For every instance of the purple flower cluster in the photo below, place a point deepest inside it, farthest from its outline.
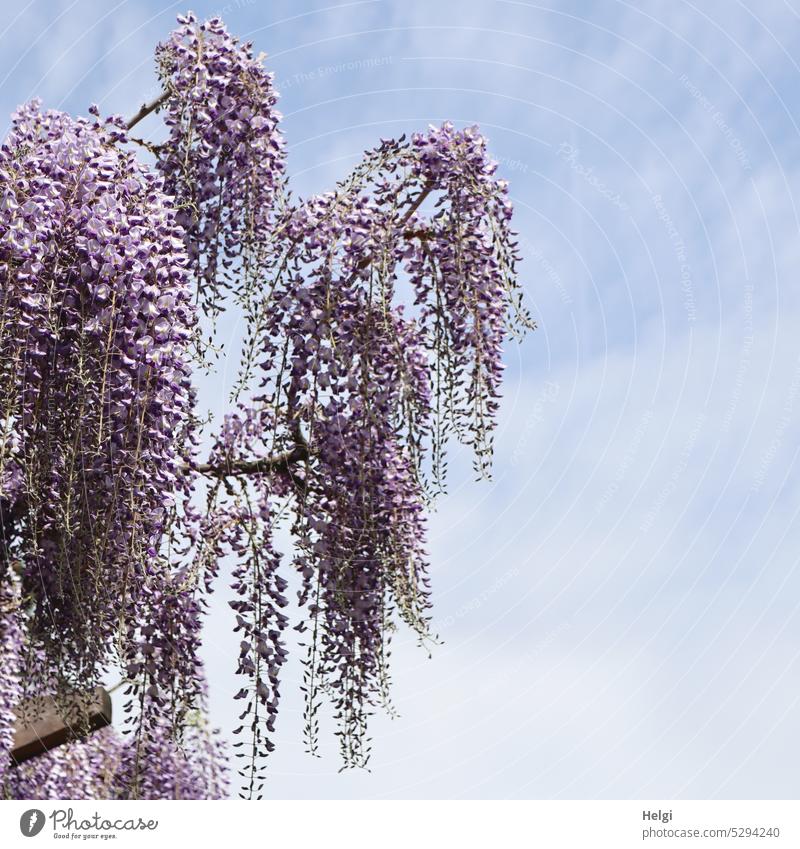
(192, 768)
(10, 667)
(242, 526)
(103, 767)
(260, 623)
(95, 314)
(371, 390)
(79, 770)
(462, 263)
(162, 659)
(224, 157)
(344, 432)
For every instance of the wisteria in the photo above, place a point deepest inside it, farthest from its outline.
(103, 767)
(162, 663)
(260, 623)
(223, 160)
(96, 398)
(373, 392)
(10, 668)
(94, 381)
(79, 770)
(376, 317)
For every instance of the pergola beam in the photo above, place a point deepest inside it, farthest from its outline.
(54, 725)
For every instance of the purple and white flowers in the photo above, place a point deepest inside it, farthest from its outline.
(95, 316)
(224, 158)
(377, 314)
(103, 767)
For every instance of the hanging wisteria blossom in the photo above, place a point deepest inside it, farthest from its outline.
(376, 317)
(223, 160)
(94, 380)
(103, 767)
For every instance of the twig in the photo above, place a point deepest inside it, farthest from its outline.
(146, 108)
(426, 190)
(262, 465)
(155, 149)
(365, 262)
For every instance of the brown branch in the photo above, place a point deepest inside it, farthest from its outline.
(426, 190)
(155, 149)
(260, 466)
(422, 235)
(146, 108)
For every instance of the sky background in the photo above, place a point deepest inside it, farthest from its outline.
(619, 607)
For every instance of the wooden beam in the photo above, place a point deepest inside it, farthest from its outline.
(55, 725)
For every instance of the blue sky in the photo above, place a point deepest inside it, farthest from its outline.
(619, 607)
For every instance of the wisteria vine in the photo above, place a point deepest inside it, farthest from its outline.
(376, 318)
(103, 766)
(223, 160)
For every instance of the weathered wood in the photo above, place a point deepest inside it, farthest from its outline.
(55, 726)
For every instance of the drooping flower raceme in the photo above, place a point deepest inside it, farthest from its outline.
(224, 159)
(365, 390)
(463, 269)
(95, 393)
(102, 767)
(260, 623)
(376, 314)
(10, 668)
